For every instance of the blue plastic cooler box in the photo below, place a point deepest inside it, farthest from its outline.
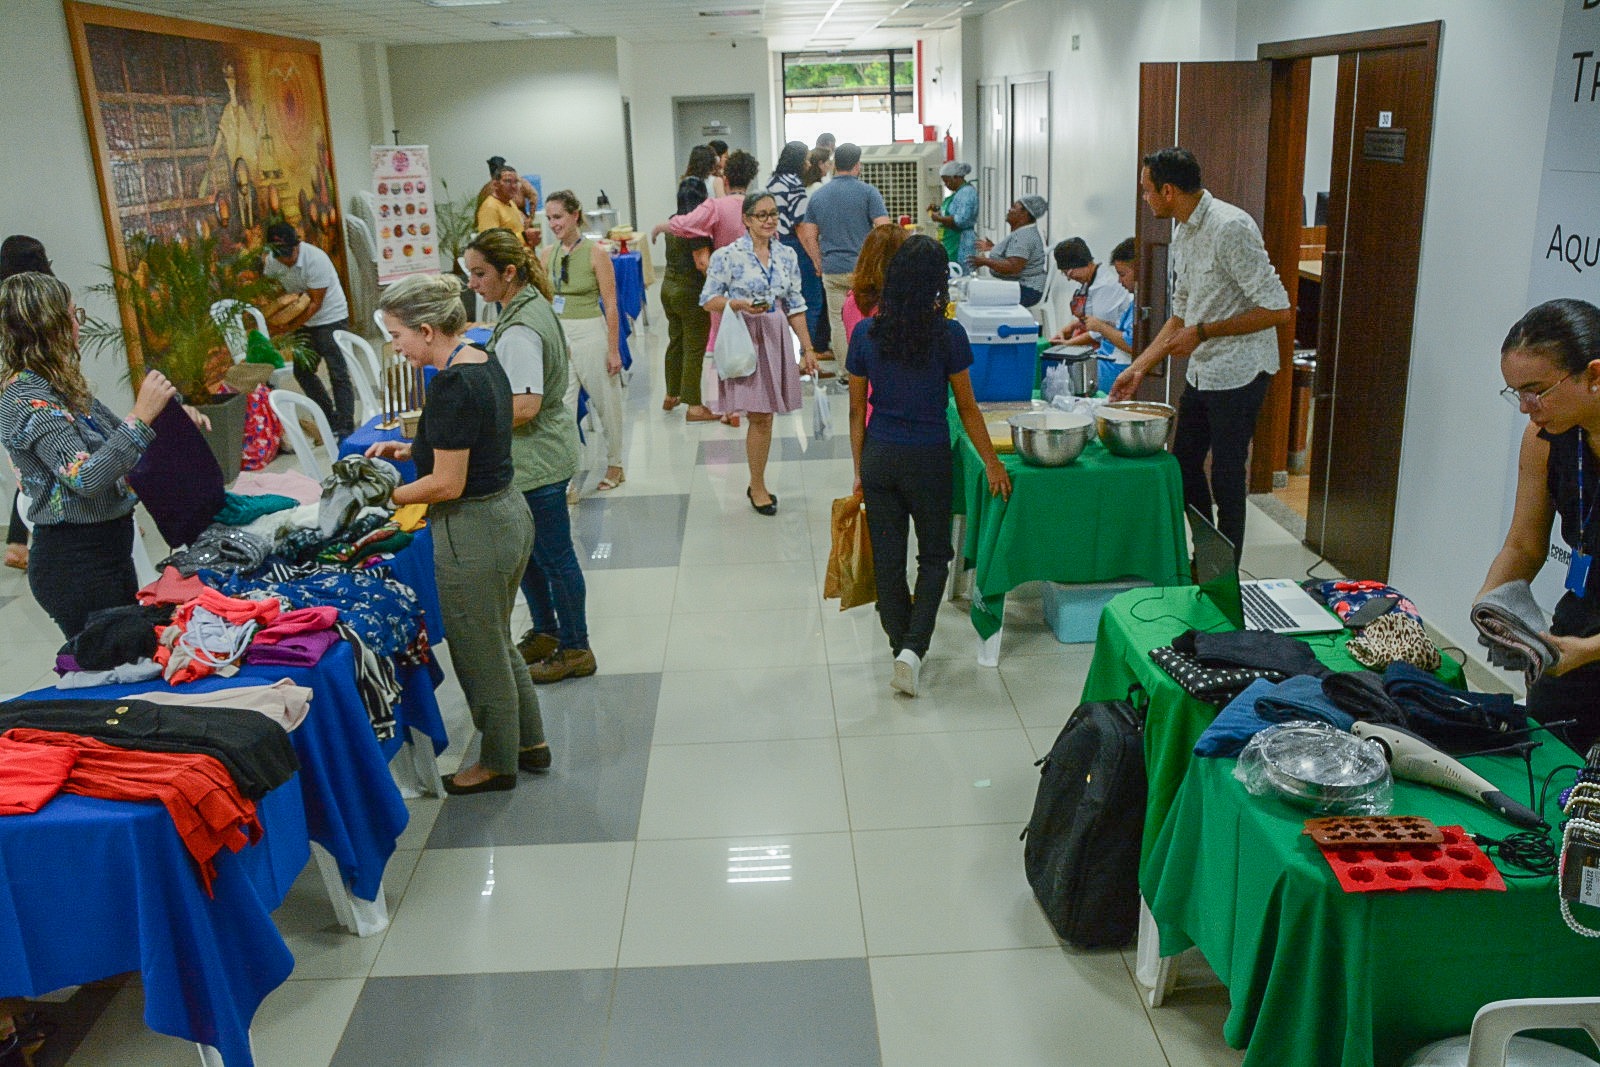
(1005, 352)
(1073, 611)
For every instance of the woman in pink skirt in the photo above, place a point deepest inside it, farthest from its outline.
(753, 277)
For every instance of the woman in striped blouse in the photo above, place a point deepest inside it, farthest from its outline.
(71, 453)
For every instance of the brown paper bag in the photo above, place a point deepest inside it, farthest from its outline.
(850, 577)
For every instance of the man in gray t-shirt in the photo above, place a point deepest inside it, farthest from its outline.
(839, 216)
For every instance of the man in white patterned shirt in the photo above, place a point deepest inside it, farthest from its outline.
(1227, 302)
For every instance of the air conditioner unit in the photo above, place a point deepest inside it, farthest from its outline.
(908, 177)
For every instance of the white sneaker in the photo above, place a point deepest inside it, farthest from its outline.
(907, 669)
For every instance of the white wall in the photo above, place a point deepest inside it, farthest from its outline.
(351, 124)
(942, 83)
(552, 108)
(1493, 100)
(1094, 93)
(656, 72)
(47, 170)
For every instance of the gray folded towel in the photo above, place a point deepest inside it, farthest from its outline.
(1510, 624)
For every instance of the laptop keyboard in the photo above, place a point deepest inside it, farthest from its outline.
(1262, 610)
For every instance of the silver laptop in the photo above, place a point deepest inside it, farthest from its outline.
(1278, 605)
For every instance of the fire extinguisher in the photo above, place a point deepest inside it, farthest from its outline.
(949, 146)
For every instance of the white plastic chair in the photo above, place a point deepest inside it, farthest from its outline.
(290, 408)
(229, 315)
(1494, 1041)
(365, 373)
(383, 328)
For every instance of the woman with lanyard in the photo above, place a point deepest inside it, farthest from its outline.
(586, 302)
(1551, 364)
(789, 193)
(750, 278)
(483, 534)
(544, 449)
(71, 453)
(957, 215)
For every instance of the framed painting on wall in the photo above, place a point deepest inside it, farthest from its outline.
(202, 133)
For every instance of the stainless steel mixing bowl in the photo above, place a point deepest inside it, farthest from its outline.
(1136, 437)
(1049, 438)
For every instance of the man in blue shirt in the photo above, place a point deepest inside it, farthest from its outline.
(838, 218)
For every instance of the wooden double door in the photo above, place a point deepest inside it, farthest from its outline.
(1246, 121)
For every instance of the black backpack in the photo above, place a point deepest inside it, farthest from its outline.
(1083, 841)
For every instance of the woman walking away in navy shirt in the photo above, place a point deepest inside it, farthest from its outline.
(911, 358)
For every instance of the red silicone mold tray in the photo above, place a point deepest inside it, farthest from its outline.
(1454, 863)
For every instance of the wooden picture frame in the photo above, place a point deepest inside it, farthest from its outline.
(199, 130)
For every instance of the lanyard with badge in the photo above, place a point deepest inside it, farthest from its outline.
(766, 303)
(1578, 569)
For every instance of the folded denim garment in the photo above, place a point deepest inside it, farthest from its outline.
(1236, 723)
(1301, 697)
(1510, 625)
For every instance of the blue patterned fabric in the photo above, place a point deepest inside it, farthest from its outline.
(383, 613)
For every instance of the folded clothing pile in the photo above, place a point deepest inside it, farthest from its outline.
(355, 482)
(1216, 668)
(1262, 704)
(209, 633)
(1511, 625)
(297, 638)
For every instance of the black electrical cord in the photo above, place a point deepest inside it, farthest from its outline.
(1530, 851)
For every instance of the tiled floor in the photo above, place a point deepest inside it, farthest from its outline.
(749, 850)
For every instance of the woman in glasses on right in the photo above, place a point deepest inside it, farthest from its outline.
(1551, 364)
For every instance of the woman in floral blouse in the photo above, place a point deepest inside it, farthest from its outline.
(752, 277)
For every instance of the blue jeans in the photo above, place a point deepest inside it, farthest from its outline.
(553, 582)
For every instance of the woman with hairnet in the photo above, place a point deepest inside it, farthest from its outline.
(957, 216)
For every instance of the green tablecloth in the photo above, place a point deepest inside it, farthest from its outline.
(1318, 977)
(1099, 518)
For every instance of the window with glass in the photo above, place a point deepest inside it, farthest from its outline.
(861, 97)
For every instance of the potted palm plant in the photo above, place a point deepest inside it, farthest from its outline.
(166, 297)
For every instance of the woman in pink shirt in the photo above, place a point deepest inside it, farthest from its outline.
(722, 217)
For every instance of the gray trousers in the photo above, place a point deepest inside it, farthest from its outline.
(480, 548)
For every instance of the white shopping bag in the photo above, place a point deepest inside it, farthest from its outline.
(821, 413)
(734, 352)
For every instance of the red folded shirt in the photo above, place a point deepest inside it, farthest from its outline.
(171, 588)
(31, 775)
(299, 621)
(206, 808)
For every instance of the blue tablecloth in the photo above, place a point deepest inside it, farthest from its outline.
(413, 566)
(91, 888)
(630, 299)
(352, 806)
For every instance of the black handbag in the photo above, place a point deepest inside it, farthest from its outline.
(1083, 841)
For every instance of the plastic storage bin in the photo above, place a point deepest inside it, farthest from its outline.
(1073, 611)
(1004, 350)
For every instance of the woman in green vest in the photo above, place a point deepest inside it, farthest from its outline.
(529, 344)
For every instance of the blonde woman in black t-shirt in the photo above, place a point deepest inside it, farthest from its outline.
(482, 531)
